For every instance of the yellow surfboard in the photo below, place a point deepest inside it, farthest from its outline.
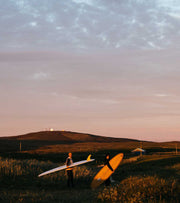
(105, 172)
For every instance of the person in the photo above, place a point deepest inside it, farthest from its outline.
(106, 162)
(69, 170)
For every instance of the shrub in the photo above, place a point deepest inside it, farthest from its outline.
(141, 189)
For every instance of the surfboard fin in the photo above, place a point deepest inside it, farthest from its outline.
(89, 158)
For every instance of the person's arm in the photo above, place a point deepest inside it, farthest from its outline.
(109, 166)
(67, 162)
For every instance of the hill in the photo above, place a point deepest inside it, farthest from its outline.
(66, 136)
(47, 142)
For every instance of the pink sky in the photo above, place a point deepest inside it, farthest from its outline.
(122, 95)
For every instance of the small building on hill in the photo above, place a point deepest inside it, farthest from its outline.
(138, 151)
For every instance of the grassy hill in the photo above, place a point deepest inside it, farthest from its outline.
(67, 136)
(58, 142)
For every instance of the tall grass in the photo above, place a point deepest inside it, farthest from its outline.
(150, 179)
(19, 173)
(19, 182)
(142, 189)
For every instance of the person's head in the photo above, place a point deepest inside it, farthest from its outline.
(107, 156)
(70, 154)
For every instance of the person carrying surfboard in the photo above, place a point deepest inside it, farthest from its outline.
(106, 162)
(69, 170)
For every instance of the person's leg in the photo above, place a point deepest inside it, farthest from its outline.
(107, 182)
(71, 178)
(68, 178)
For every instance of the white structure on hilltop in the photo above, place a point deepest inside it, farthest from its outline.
(138, 151)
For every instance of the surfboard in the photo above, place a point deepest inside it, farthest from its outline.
(64, 166)
(105, 172)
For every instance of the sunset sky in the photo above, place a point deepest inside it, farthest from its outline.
(106, 67)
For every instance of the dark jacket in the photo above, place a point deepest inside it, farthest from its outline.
(108, 164)
(69, 161)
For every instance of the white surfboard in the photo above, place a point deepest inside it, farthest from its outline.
(64, 166)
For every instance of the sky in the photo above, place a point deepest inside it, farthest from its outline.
(103, 67)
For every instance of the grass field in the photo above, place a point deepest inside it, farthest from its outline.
(151, 178)
(154, 177)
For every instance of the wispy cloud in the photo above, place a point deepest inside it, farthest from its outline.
(161, 95)
(89, 24)
(40, 76)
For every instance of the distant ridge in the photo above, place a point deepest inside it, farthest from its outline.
(66, 136)
(47, 142)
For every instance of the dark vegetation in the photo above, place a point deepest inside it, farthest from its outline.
(57, 142)
(154, 177)
(66, 136)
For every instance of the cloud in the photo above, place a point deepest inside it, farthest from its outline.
(151, 44)
(51, 18)
(40, 76)
(54, 94)
(89, 25)
(174, 15)
(33, 24)
(89, 2)
(161, 95)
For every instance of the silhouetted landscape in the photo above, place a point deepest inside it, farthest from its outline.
(64, 141)
(140, 177)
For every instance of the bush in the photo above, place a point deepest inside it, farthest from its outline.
(142, 189)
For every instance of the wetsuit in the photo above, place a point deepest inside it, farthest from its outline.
(69, 170)
(107, 182)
